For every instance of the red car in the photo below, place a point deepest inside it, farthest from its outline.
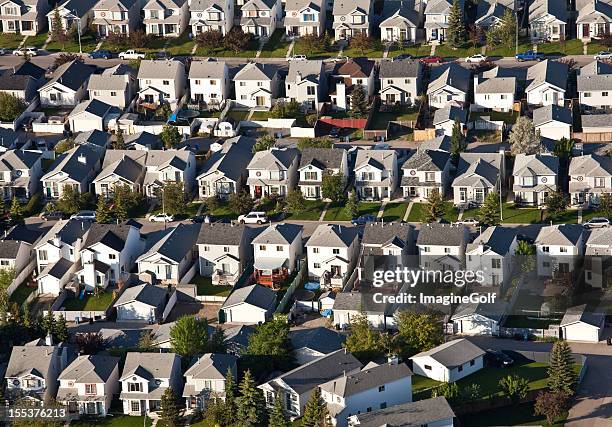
(432, 60)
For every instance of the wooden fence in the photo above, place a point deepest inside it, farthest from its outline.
(592, 137)
(345, 123)
(424, 134)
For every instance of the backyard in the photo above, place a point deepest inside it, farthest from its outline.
(522, 414)
(22, 292)
(515, 215)
(90, 302)
(381, 119)
(205, 287)
(508, 118)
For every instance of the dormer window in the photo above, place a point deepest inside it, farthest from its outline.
(545, 249)
(600, 181)
(135, 387)
(358, 19)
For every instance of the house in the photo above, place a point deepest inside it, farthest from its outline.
(209, 83)
(479, 318)
(273, 172)
(376, 175)
(55, 276)
(72, 13)
(374, 387)
(94, 137)
(351, 18)
(535, 176)
(594, 20)
(144, 303)
(161, 81)
(92, 114)
(449, 362)
(478, 174)
(437, 14)
(594, 86)
(546, 83)
(348, 75)
(20, 172)
(205, 379)
(490, 12)
(445, 118)
(108, 254)
(116, 16)
(448, 85)
(211, 15)
(88, 384)
(120, 168)
(400, 21)
(400, 82)
(168, 18)
(580, 324)
(168, 166)
(425, 171)
(494, 93)
(306, 83)
(8, 139)
(21, 83)
(598, 257)
(492, 252)
(115, 86)
(295, 387)
(257, 85)
(142, 141)
(596, 123)
(24, 233)
(33, 370)
(260, 17)
(172, 256)
(547, 20)
(434, 411)
(145, 378)
(442, 246)
(313, 343)
(223, 251)
(315, 164)
(277, 250)
(252, 304)
(346, 306)
(305, 17)
(553, 122)
(332, 253)
(25, 17)
(559, 249)
(67, 86)
(14, 255)
(386, 244)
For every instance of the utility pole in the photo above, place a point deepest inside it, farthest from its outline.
(516, 36)
(79, 31)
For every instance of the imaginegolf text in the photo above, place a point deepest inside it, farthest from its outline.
(405, 298)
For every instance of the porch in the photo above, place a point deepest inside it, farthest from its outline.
(271, 272)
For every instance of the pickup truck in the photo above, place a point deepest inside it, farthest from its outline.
(530, 55)
(131, 54)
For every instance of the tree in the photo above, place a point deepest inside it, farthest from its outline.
(361, 42)
(250, 405)
(57, 27)
(434, 209)
(489, 211)
(561, 374)
(263, 143)
(457, 139)
(563, 148)
(556, 204)
(16, 212)
(277, 415)
(90, 342)
(362, 341)
(241, 203)
(125, 200)
(269, 347)
(216, 412)
(332, 186)
(295, 201)
(352, 205)
(449, 390)
(139, 38)
(189, 336)
(359, 102)
(470, 393)
(551, 404)
(103, 211)
(47, 323)
(523, 137)
(64, 58)
(169, 409)
(230, 397)
(146, 342)
(456, 35)
(120, 141)
(65, 145)
(323, 142)
(60, 329)
(311, 43)
(418, 332)
(605, 205)
(236, 39)
(315, 411)
(526, 256)
(11, 107)
(174, 197)
(170, 136)
(210, 40)
(285, 110)
(217, 341)
(504, 32)
(514, 387)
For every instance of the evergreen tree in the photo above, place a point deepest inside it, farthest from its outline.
(263, 143)
(48, 323)
(417, 332)
(359, 102)
(230, 397)
(16, 212)
(525, 253)
(315, 411)
(57, 29)
(60, 329)
(146, 342)
(434, 209)
(170, 411)
(563, 148)
(241, 203)
(103, 211)
(120, 142)
(457, 139)
(277, 415)
(456, 28)
(489, 211)
(250, 405)
(561, 374)
(170, 136)
(352, 205)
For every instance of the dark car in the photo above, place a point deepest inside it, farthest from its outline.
(334, 132)
(498, 358)
(100, 54)
(401, 57)
(363, 220)
(434, 59)
(162, 54)
(52, 216)
(197, 219)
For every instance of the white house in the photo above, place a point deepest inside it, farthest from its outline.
(579, 324)
(88, 384)
(594, 19)
(553, 122)
(305, 17)
(249, 305)
(492, 253)
(445, 118)
(437, 14)
(449, 362)
(121, 168)
(211, 15)
(144, 303)
(260, 17)
(115, 86)
(478, 319)
(424, 172)
(315, 164)
(478, 174)
(391, 240)
(428, 412)
(376, 174)
(535, 176)
(72, 13)
(116, 16)
(169, 166)
(442, 246)
(67, 86)
(332, 253)
(598, 257)
(14, 255)
(20, 173)
(493, 93)
(346, 76)
(277, 250)
(209, 83)
(161, 81)
(92, 114)
(205, 379)
(547, 20)
(400, 82)
(558, 249)
(257, 85)
(23, 81)
(166, 19)
(306, 83)
(145, 378)
(546, 83)
(594, 86)
(25, 17)
(448, 85)
(273, 172)
(351, 18)
(490, 12)
(400, 21)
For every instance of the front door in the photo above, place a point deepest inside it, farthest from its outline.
(102, 30)
(260, 101)
(263, 31)
(585, 30)
(257, 191)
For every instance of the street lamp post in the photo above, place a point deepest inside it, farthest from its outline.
(78, 31)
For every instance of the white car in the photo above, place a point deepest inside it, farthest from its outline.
(468, 221)
(604, 54)
(298, 58)
(597, 223)
(84, 215)
(253, 218)
(341, 58)
(162, 217)
(31, 51)
(476, 58)
(131, 54)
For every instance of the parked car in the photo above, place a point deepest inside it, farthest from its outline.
(131, 54)
(597, 223)
(298, 58)
(52, 216)
(468, 221)
(161, 217)
(479, 57)
(162, 54)
(29, 50)
(434, 59)
(3, 51)
(363, 220)
(85, 215)
(530, 55)
(334, 132)
(341, 58)
(498, 358)
(253, 218)
(604, 54)
(401, 57)
(100, 54)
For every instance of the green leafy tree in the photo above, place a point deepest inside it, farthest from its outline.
(556, 204)
(103, 211)
(524, 138)
(362, 341)
(352, 205)
(170, 409)
(125, 201)
(361, 42)
(504, 32)
(285, 110)
(60, 329)
(269, 347)
(449, 390)
(277, 415)
(525, 254)
(552, 405)
(489, 211)
(561, 374)
(236, 39)
(470, 393)
(241, 202)
(418, 332)
(263, 143)
(295, 201)
(323, 142)
(174, 197)
(66, 57)
(120, 140)
(216, 412)
(456, 34)
(563, 148)
(211, 204)
(514, 387)
(434, 209)
(332, 187)
(250, 405)
(315, 411)
(359, 102)
(189, 336)
(311, 43)
(70, 201)
(65, 145)
(6, 278)
(457, 139)
(11, 107)
(605, 205)
(16, 212)
(209, 40)
(170, 136)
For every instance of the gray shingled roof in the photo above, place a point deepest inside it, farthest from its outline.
(452, 75)
(453, 353)
(344, 7)
(580, 313)
(95, 107)
(311, 70)
(94, 368)
(58, 269)
(9, 249)
(409, 68)
(278, 234)
(144, 139)
(366, 379)
(71, 74)
(221, 233)
(211, 366)
(478, 170)
(70, 164)
(414, 414)
(378, 233)
(112, 235)
(451, 113)
(94, 137)
(68, 231)
(551, 113)
(436, 234)
(497, 239)
(347, 301)
(383, 159)
(319, 339)
(332, 236)
(30, 359)
(18, 160)
(257, 295)
(160, 69)
(494, 311)
(29, 69)
(207, 69)
(149, 365)
(561, 234)
(547, 71)
(539, 164)
(400, 13)
(144, 293)
(232, 159)
(274, 159)
(175, 244)
(596, 120)
(324, 158)
(256, 71)
(427, 160)
(497, 85)
(542, 8)
(590, 165)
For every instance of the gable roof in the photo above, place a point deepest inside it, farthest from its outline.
(279, 234)
(144, 293)
(452, 75)
(68, 231)
(232, 160)
(306, 70)
(14, 82)
(257, 295)
(323, 158)
(9, 249)
(542, 8)
(440, 142)
(354, 67)
(493, 311)
(18, 159)
(413, 414)
(256, 71)
(207, 69)
(594, 11)
(319, 339)
(535, 164)
(404, 68)
(71, 74)
(579, 313)
(453, 353)
(547, 71)
(347, 301)
(437, 234)
(595, 76)
(149, 365)
(93, 368)
(28, 68)
(332, 236)
(211, 366)
(126, 167)
(497, 239)
(496, 85)
(366, 379)
(221, 233)
(112, 235)
(397, 13)
(145, 139)
(560, 234)
(96, 107)
(427, 160)
(596, 120)
(451, 113)
(551, 113)
(492, 8)
(77, 163)
(382, 233)
(176, 244)
(160, 69)
(590, 165)
(30, 359)
(94, 137)
(344, 7)
(381, 159)
(274, 159)
(23, 233)
(478, 170)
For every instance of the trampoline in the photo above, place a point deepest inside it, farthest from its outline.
(312, 286)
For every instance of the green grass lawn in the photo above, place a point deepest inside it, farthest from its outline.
(88, 44)
(516, 415)
(205, 287)
(37, 41)
(485, 136)
(222, 52)
(237, 115)
(418, 212)
(570, 216)
(594, 47)
(22, 292)
(90, 302)
(515, 321)
(10, 41)
(395, 211)
(421, 383)
(311, 212)
(376, 51)
(590, 214)
(115, 421)
(509, 51)
(380, 119)
(507, 117)
(446, 51)
(416, 50)
(261, 115)
(181, 45)
(275, 47)
(336, 212)
(192, 208)
(321, 53)
(224, 211)
(513, 215)
(570, 47)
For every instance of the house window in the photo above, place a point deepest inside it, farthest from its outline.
(587, 94)
(207, 385)
(430, 176)
(42, 255)
(495, 263)
(604, 94)
(242, 83)
(310, 90)
(546, 264)
(504, 96)
(600, 182)
(310, 176)
(316, 265)
(262, 247)
(460, 368)
(426, 249)
(383, 405)
(315, 250)
(259, 84)
(243, 97)
(112, 256)
(226, 249)
(359, 81)
(134, 387)
(213, 82)
(427, 367)
(407, 81)
(447, 250)
(135, 405)
(198, 81)
(472, 362)
(166, 82)
(390, 81)
(113, 93)
(90, 389)
(205, 248)
(545, 249)
(336, 251)
(563, 249)
(381, 388)
(279, 248)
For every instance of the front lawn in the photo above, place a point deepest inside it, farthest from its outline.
(10, 41)
(416, 50)
(514, 215)
(376, 51)
(222, 52)
(114, 421)
(589, 214)
(516, 415)
(22, 292)
(90, 302)
(182, 45)
(320, 53)
(508, 118)
(311, 212)
(594, 47)
(569, 216)
(421, 383)
(275, 47)
(205, 287)
(224, 211)
(446, 51)
(88, 44)
(516, 321)
(509, 50)
(37, 41)
(569, 47)
(395, 211)
(337, 212)
(418, 212)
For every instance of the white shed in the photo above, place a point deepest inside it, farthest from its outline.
(450, 361)
(251, 305)
(580, 325)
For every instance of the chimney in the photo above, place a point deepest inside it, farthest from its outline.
(49, 339)
(298, 77)
(82, 159)
(56, 240)
(392, 359)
